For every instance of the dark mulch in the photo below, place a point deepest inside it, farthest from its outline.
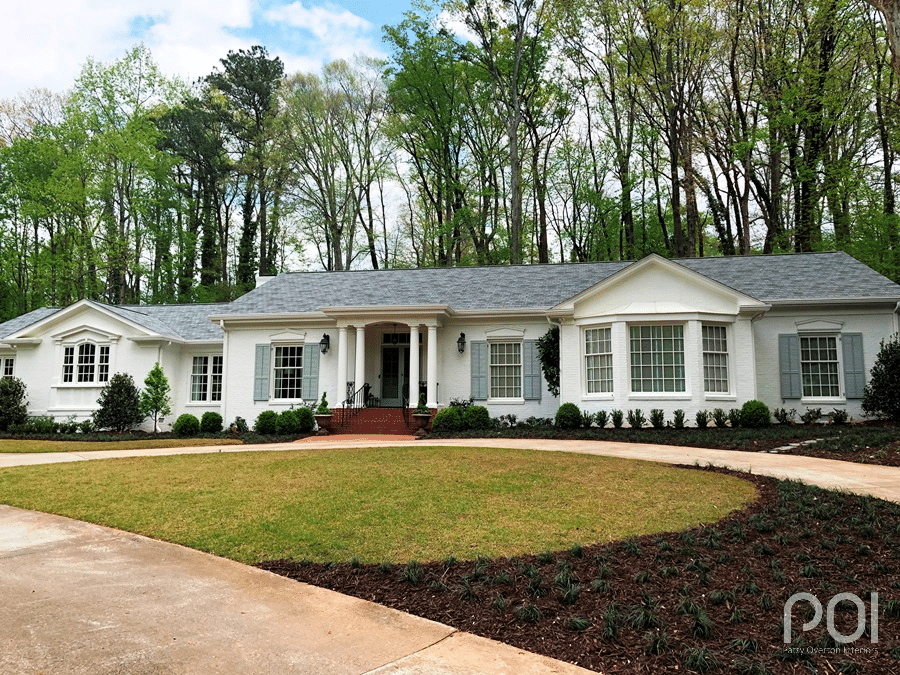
(709, 597)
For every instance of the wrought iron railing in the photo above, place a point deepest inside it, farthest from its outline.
(356, 400)
(404, 404)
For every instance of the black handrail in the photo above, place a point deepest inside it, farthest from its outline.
(404, 403)
(354, 403)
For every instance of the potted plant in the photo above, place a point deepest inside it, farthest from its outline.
(421, 414)
(323, 414)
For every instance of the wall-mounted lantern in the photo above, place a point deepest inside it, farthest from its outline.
(461, 343)
(325, 343)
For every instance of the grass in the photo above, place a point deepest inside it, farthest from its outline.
(8, 445)
(378, 504)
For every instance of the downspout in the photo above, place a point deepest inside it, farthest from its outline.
(897, 318)
(753, 319)
(223, 402)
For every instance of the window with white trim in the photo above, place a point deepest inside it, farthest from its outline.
(86, 363)
(598, 360)
(657, 358)
(9, 366)
(206, 378)
(505, 368)
(819, 366)
(287, 372)
(715, 359)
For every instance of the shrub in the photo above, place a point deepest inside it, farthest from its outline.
(720, 417)
(186, 425)
(155, 399)
(734, 417)
(476, 417)
(568, 416)
(811, 415)
(287, 424)
(784, 416)
(657, 418)
(266, 422)
(211, 422)
(617, 418)
(13, 409)
(755, 414)
(601, 418)
(322, 408)
(448, 419)
(678, 419)
(86, 426)
(702, 418)
(881, 397)
(120, 404)
(636, 418)
(839, 416)
(240, 425)
(305, 419)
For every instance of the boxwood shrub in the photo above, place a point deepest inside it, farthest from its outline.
(211, 422)
(568, 416)
(266, 422)
(186, 425)
(476, 417)
(448, 419)
(755, 414)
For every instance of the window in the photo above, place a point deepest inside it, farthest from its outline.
(288, 372)
(506, 369)
(657, 358)
(206, 378)
(598, 360)
(819, 367)
(86, 363)
(715, 359)
(9, 367)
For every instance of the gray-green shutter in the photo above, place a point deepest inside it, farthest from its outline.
(309, 389)
(261, 372)
(479, 357)
(854, 366)
(789, 360)
(532, 382)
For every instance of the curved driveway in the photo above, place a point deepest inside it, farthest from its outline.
(79, 598)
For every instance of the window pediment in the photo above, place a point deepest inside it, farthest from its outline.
(505, 333)
(819, 326)
(85, 334)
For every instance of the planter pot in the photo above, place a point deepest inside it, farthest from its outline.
(324, 422)
(421, 420)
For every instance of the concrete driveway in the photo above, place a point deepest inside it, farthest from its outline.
(79, 598)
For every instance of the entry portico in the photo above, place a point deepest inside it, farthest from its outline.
(417, 324)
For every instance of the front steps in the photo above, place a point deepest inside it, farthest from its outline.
(371, 421)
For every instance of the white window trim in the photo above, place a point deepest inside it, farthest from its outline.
(497, 340)
(685, 395)
(825, 400)
(729, 395)
(276, 345)
(600, 395)
(4, 361)
(75, 347)
(209, 381)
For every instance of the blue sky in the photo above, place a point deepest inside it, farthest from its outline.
(46, 42)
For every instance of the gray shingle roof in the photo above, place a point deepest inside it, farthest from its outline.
(812, 276)
(817, 276)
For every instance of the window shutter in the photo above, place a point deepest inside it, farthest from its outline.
(531, 371)
(261, 372)
(789, 360)
(854, 367)
(479, 356)
(310, 386)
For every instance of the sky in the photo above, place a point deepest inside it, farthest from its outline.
(45, 43)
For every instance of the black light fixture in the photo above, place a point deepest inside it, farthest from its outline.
(325, 343)
(461, 343)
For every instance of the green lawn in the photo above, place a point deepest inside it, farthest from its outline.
(378, 504)
(11, 445)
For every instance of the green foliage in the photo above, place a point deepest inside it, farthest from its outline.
(210, 422)
(568, 416)
(618, 417)
(448, 419)
(266, 423)
(702, 419)
(120, 405)
(240, 425)
(839, 416)
(155, 399)
(186, 425)
(295, 421)
(755, 415)
(306, 419)
(720, 417)
(601, 417)
(811, 416)
(657, 418)
(636, 418)
(784, 416)
(548, 354)
(477, 418)
(322, 408)
(678, 419)
(734, 417)
(13, 406)
(882, 394)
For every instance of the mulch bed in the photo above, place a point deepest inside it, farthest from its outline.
(705, 600)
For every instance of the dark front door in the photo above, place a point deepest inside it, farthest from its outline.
(394, 375)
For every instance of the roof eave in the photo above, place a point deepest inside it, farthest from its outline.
(833, 302)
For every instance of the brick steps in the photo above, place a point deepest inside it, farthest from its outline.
(372, 421)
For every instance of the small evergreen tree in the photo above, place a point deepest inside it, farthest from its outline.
(155, 399)
(13, 409)
(548, 354)
(120, 404)
(882, 395)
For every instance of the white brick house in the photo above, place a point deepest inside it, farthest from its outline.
(794, 331)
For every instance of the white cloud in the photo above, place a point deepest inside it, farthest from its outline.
(47, 42)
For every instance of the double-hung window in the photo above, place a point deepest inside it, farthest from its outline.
(9, 367)
(86, 363)
(657, 358)
(819, 366)
(287, 372)
(715, 360)
(598, 360)
(206, 378)
(505, 366)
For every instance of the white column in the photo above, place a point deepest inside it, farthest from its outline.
(432, 367)
(340, 393)
(359, 378)
(414, 365)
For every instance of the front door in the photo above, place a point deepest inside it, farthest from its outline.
(394, 375)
